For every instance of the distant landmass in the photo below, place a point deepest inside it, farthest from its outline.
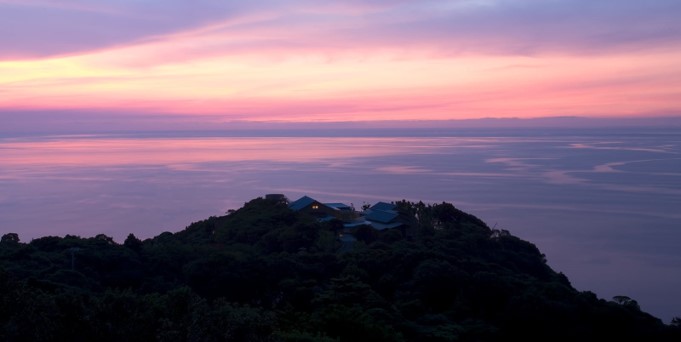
(306, 270)
(21, 122)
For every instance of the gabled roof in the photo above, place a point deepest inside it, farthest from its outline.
(381, 216)
(305, 201)
(383, 206)
(339, 206)
(301, 203)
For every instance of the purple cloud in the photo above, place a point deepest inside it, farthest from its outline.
(38, 28)
(30, 29)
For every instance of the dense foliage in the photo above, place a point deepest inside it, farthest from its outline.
(265, 273)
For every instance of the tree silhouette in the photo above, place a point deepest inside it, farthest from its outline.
(626, 301)
(10, 238)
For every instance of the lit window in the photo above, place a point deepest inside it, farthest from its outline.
(315, 207)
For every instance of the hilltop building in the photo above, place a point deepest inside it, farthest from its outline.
(383, 215)
(380, 216)
(324, 211)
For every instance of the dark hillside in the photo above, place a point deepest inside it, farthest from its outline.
(266, 273)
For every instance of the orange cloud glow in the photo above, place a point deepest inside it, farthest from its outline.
(233, 72)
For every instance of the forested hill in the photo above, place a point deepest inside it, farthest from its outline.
(266, 273)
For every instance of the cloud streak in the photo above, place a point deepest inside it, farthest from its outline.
(39, 29)
(282, 60)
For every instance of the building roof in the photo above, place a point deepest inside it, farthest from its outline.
(301, 203)
(305, 201)
(382, 216)
(382, 226)
(339, 206)
(383, 206)
(355, 224)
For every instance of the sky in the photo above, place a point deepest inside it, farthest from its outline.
(139, 63)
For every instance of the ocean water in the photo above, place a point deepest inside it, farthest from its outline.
(603, 205)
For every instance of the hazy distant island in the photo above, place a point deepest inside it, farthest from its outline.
(304, 270)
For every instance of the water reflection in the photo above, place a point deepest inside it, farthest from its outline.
(184, 151)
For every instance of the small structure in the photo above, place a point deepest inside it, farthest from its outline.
(323, 211)
(343, 211)
(380, 216)
(304, 203)
(383, 215)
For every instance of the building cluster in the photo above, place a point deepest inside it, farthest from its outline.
(379, 216)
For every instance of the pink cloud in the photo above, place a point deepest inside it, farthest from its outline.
(335, 61)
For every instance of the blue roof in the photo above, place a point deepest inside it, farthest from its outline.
(381, 216)
(384, 206)
(301, 203)
(382, 226)
(339, 206)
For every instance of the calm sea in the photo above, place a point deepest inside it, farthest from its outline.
(603, 205)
